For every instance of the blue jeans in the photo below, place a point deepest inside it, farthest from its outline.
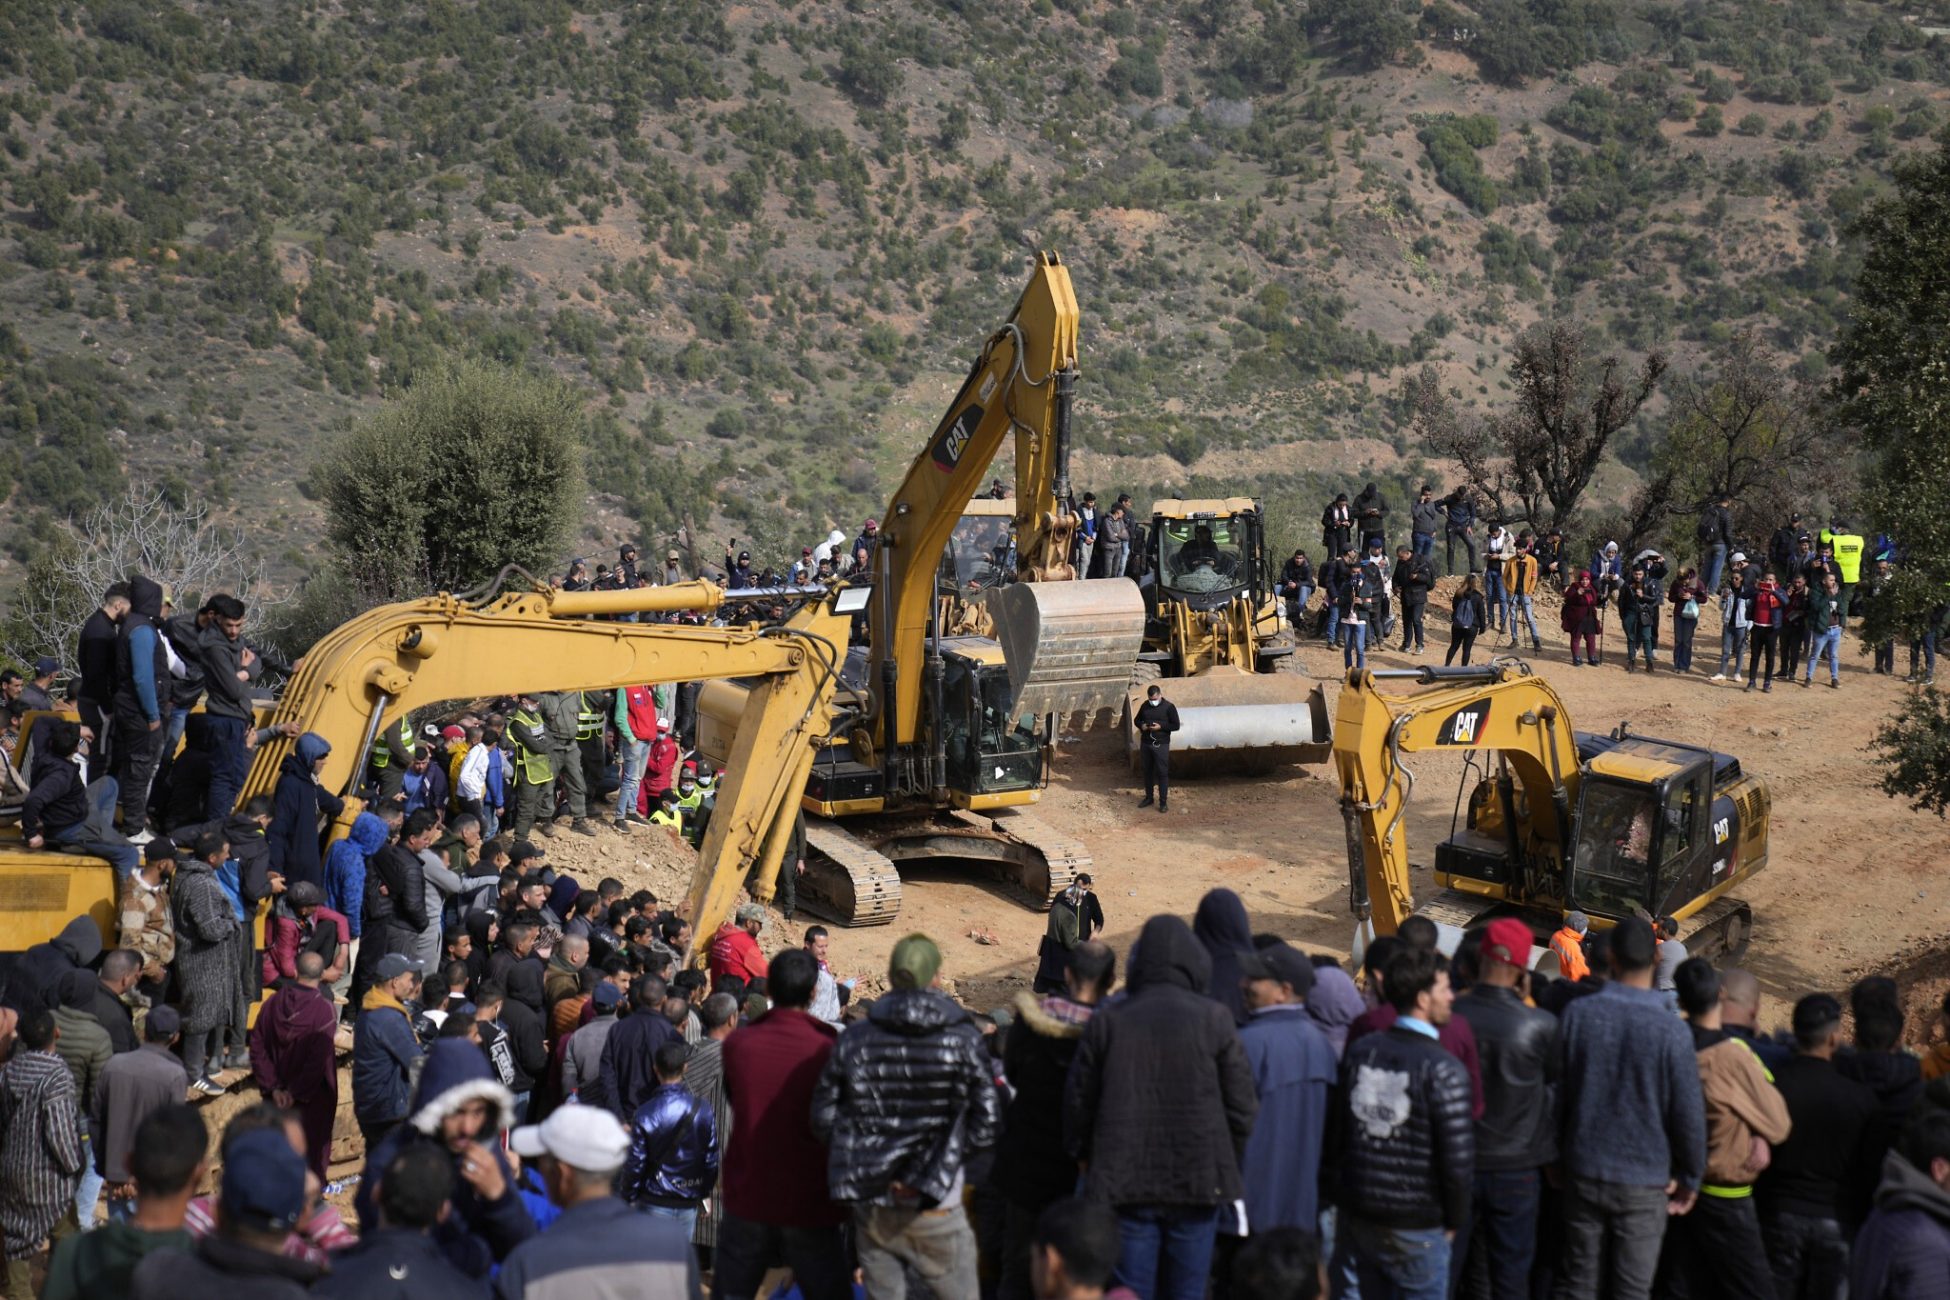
(1164, 1252)
(1333, 619)
(1296, 605)
(1495, 1252)
(1355, 651)
(1830, 644)
(1715, 563)
(1924, 645)
(686, 1216)
(122, 855)
(122, 1211)
(88, 1191)
(1422, 544)
(630, 763)
(1391, 1263)
(1733, 646)
(230, 763)
(1494, 594)
(1515, 606)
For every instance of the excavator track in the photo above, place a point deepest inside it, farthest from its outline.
(1719, 931)
(848, 880)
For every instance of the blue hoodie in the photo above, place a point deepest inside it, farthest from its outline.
(475, 1235)
(345, 868)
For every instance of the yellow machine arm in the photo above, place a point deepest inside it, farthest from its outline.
(1022, 386)
(391, 660)
(1499, 706)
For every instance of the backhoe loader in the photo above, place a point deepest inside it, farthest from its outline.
(385, 663)
(953, 733)
(1558, 820)
(1214, 624)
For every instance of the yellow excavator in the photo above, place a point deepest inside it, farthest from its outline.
(392, 660)
(1557, 820)
(1213, 624)
(952, 735)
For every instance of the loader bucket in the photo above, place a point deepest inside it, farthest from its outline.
(1232, 721)
(1071, 646)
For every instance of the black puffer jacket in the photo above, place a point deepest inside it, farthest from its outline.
(1517, 1046)
(1404, 1147)
(904, 1097)
(1160, 1099)
(398, 911)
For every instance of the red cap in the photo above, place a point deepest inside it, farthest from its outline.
(663, 724)
(872, 524)
(690, 765)
(1507, 940)
(453, 733)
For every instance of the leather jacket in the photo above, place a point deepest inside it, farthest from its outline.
(673, 1158)
(1405, 1146)
(1517, 1046)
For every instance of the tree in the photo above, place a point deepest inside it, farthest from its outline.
(143, 532)
(473, 468)
(1894, 384)
(1533, 460)
(1746, 429)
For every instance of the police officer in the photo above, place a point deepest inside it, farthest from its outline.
(563, 712)
(534, 768)
(392, 754)
(1156, 719)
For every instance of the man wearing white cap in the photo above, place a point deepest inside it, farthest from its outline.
(599, 1246)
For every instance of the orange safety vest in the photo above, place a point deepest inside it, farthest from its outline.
(1568, 944)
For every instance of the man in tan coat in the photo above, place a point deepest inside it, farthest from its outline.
(1716, 1249)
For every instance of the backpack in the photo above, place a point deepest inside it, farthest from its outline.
(1465, 614)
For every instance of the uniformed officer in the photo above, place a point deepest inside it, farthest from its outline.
(534, 768)
(563, 711)
(1156, 719)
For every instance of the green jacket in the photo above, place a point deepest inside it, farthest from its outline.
(85, 1046)
(91, 1265)
(1824, 611)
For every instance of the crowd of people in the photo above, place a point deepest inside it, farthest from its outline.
(1782, 611)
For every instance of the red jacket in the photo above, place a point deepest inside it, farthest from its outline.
(735, 952)
(659, 771)
(642, 707)
(1579, 607)
(293, 1045)
(775, 1169)
(290, 936)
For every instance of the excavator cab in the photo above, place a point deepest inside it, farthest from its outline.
(1206, 561)
(993, 747)
(1644, 845)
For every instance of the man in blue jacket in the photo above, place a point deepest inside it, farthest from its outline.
(1294, 1070)
(141, 694)
(384, 1050)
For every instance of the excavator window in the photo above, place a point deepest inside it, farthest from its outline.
(990, 748)
(1202, 555)
(979, 554)
(1618, 824)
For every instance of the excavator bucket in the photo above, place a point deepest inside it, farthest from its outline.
(1071, 646)
(1231, 721)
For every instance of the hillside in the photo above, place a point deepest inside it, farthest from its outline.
(767, 237)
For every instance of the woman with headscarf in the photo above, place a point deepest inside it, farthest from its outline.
(1222, 930)
(295, 805)
(1580, 617)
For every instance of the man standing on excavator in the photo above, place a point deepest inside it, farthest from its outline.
(1156, 719)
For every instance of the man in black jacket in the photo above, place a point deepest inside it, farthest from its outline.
(62, 813)
(229, 666)
(1156, 719)
(1517, 1135)
(1406, 1150)
(1411, 580)
(1370, 516)
(1165, 1063)
(1032, 1170)
(905, 1098)
(141, 703)
(95, 654)
(395, 909)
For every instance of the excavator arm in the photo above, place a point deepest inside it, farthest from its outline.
(1499, 706)
(365, 674)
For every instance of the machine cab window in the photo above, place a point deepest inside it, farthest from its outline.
(1203, 555)
(991, 749)
(1636, 842)
(980, 554)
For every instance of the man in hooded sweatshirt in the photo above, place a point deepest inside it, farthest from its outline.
(141, 696)
(906, 1097)
(295, 805)
(294, 1056)
(1903, 1249)
(35, 981)
(463, 1109)
(1165, 1062)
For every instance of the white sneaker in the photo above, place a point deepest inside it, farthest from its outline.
(142, 837)
(1736, 677)
(1720, 677)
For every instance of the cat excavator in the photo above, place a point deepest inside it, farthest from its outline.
(953, 731)
(1214, 626)
(1611, 825)
(385, 663)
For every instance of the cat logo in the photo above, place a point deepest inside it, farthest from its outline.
(1463, 726)
(948, 448)
(1721, 829)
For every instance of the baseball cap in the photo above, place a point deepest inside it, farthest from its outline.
(44, 665)
(663, 724)
(588, 1138)
(1507, 940)
(744, 557)
(670, 555)
(163, 1024)
(395, 964)
(523, 851)
(452, 732)
(1281, 963)
(264, 1181)
(1739, 557)
(871, 523)
(914, 963)
(606, 996)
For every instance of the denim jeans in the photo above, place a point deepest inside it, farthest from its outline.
(122, 855)
(686, 1216)
(1409, 1263)
(1355, 647)
(1733, 649)
(939, 1245)
(1682, 642)
(1501, 1241)
(1333, 620)
(87, 1192)
(634, 755)
(1297, 605)
(1826, 643)
(1422, 544)
(1165, 1251)
(230, 763)
(1925, 646)
(1612, 1235)
(1712, 565)
(1520, 606)
(1494, 595)
(122, 1211)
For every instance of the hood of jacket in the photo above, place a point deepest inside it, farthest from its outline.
(1221, 923)
(1334, 1003)
(1167, 953)
(915, 1013)
(1888, 1074)
(457, 1072)
(241, 830)
(297, 1009)
(81, 940)
(479, 922)
(1905, 1187)
(562, 895)
(311, 747)
(368, 833)
(146, 598)
(525, 983)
